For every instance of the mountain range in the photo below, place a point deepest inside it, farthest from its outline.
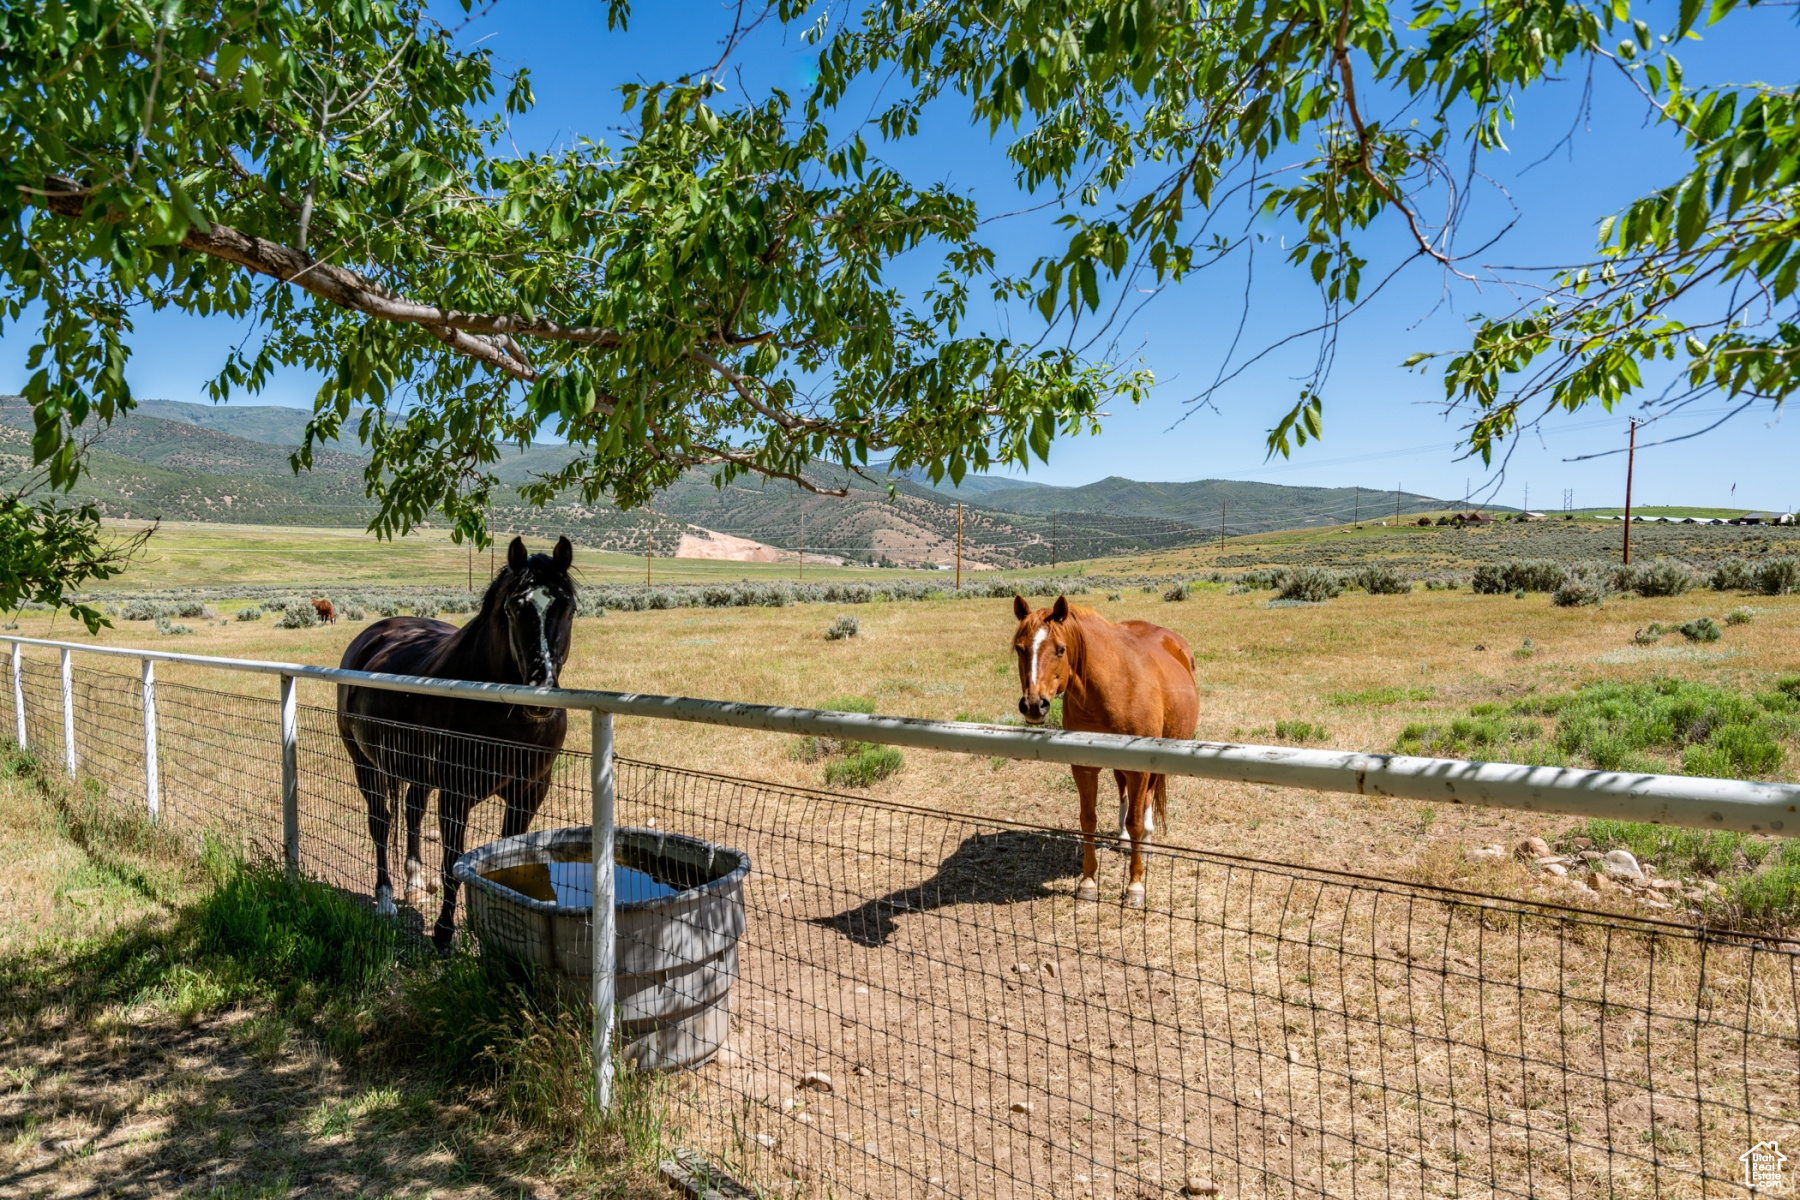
(197, 462)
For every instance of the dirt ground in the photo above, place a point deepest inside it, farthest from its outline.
(1308, 1035)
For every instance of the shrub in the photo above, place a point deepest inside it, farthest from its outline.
(843, 627)
(250, 614)
(1778, 576)
(1733, 575)
(1425, 522)
(1379, 580)
(1311, 584)
(1771, 897)
(1739, 616)
(1664, 577)
(1519, 575)
(389, 608)
(192, 608)
(1675, 851)
(1299, 731)
(1462, 737)
(866, 763)
(171, 628)
(1702, 629)
(1576, 591)
(426, 608)
(140, 610)
(298, 617)
(1180, 591)
(353, 612)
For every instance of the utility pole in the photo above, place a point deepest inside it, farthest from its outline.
(1528, 497)
(1053, 541)
(959, 545)
(647, 553)
(1221, 526)
(1396, 506)
(1630, 462)
(1357, 519)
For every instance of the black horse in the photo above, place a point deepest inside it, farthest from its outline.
(467, 750)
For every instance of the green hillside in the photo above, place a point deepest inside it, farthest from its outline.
(1245, 507)
(195, 462)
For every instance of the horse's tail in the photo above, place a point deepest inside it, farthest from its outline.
(1162, 802)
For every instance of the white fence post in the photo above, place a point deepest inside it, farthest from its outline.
(68, 690)
(290, 778)
(152, 776)
(604, 925)
(18, 668)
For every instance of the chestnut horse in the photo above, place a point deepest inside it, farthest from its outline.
(327, 615)
(1133, 678)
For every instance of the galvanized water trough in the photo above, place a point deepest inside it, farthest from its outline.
(680, 911)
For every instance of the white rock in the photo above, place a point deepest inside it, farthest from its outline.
(1021, 1106)
(816, 1079)
(766, 1141)
(1052, 969)
(871, 1148)
(1534, 847)
(1485, 854)
(1556, 869)
(1622, 865)
(864, 1072)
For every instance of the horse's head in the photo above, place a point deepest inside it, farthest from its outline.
(1042, 644)
(535, 608)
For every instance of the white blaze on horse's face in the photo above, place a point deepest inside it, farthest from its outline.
(541, 599)
(1043, 667)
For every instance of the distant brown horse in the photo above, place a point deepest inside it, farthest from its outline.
(327, 614)
(1133, 678)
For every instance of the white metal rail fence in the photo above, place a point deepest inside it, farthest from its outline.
(1280, 1031)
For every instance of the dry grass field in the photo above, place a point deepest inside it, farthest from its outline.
(1357, 670)
(191, 555)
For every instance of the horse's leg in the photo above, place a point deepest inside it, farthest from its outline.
(416, 795)
(1124, 814)
(453, 824)
(523, 798)
(1138, 784)
(1162, 801)
(1087, 782)
(374, 784)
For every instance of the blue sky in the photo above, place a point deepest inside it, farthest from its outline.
(1383, 424)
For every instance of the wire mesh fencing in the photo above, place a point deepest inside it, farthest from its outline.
(919, 1005)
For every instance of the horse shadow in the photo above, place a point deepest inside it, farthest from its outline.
(1010, 866)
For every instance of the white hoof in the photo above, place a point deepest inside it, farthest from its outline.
(384, 902)
(1134, 896)
(1087, 889)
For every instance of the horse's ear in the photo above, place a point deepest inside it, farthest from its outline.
(1060, 610)
(565, 554)
(1021, 609)
(515, 554)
